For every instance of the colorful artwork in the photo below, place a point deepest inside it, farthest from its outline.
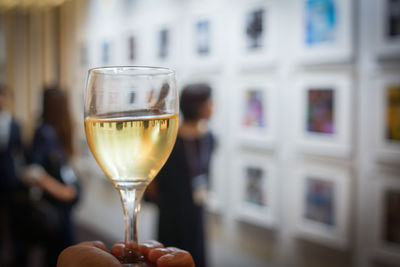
(391, 231)
(203, 37)
(131, 45)
(393, 18)
(320, 22)
(163, 44)
(393, 113)
(319, 198)
(253, 115)
(254, 29)
(254, 186)
(320, 111)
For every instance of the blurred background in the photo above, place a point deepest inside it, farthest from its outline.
(306, 118)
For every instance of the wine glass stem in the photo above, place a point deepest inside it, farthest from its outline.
(131, 198)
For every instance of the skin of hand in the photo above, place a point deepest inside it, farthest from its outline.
(35, 175)
(94, 253)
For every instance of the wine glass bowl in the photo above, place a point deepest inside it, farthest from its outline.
(131, 122)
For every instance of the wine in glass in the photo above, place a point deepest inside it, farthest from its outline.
(131, 122)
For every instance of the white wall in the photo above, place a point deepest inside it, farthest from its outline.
(115, 21)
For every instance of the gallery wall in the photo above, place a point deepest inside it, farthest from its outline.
(306, 112)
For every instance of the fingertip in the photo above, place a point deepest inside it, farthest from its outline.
(147, 246)
(118, 250)
(156, 253)
(175, 258)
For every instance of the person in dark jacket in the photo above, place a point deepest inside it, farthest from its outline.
(10, 146)
(11, 154)
(182, 182)
(49, 170)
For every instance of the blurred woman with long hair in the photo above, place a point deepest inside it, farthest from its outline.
(49, 170)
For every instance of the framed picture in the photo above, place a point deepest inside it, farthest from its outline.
(256, 34)
(256, 189)
(202, 37)
(324, 114)
(106, 53)
(131, 48)
(387, 17)
(163, 43)
(386, 215)
(255, 117)
(387, 119)
(323, 204)
(325, 31)
(109, 47)
(134, 47)
(167, 44)
(203, 49)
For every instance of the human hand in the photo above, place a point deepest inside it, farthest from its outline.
(94, 253)
(33, 174)
(156, 255)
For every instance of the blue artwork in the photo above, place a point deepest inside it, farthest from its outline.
(163, 44)
(321, 21)
(106, 53)
(203, 37)
(319, 199)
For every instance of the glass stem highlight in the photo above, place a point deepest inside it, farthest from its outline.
(131, 199)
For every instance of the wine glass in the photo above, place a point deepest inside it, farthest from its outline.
(131, 123)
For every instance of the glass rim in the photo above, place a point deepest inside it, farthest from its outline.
(132, 70)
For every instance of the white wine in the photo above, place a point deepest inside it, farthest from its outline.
(131, 148)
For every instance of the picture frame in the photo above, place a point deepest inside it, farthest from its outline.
(133, 51)
(166, 43)
(387, 120)
(322, 204)
(109, 51)
(204, 49)
(255, 116)
(387, 20)
(256, 189)
(325, 31)
(132, 48)
(324, 114)
(256, 34)
(385, 230)
(106, 53)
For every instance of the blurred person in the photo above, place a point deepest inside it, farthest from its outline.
(10, 145)
(94, 253)
(11, 153)
(181, 185)
(50, 175)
